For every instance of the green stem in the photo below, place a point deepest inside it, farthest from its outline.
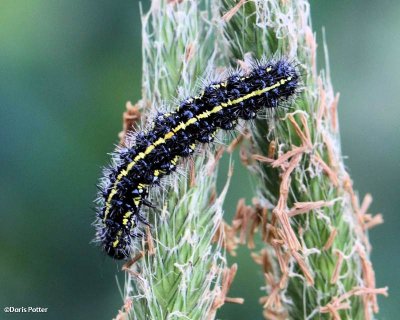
(181, 277)
(324, 269)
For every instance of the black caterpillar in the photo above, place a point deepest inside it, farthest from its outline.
(175, 135)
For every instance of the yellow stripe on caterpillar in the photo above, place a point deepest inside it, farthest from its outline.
(138, 167)
(183, 126)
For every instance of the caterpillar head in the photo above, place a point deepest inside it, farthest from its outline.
(116, 242)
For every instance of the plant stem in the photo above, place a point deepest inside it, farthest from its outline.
(316, 261)
(179, 270)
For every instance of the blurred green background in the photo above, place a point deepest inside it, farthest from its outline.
(67, 67)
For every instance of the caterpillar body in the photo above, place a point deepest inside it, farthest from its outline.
(175, 135)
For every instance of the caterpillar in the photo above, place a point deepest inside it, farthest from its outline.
(155, 153)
